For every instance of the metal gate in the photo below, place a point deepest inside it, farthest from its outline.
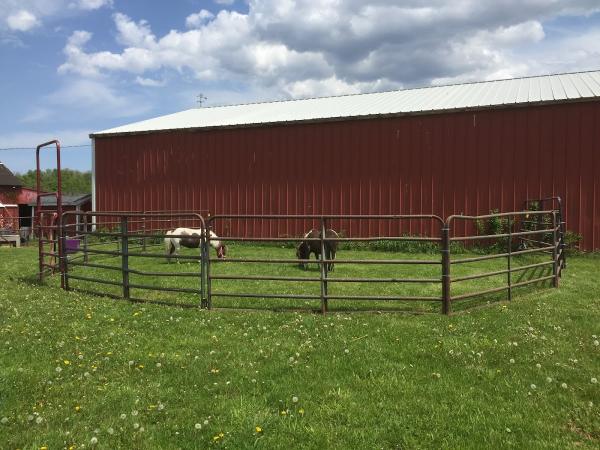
(444, 273)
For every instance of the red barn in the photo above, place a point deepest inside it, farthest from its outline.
(466, 148)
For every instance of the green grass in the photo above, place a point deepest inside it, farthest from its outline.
(362, 380)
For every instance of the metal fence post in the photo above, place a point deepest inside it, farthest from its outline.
(85, 238)
(125, 256)
(508, 261)
(62, 242)
(207, 267)
(446, 299)
(554, 251)
(323, 271)
(144, 233)
(203, 263)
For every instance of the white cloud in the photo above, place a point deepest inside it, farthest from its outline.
(149, 82)
(92, 4)
(22, 20)
(198, 19)
(225, 2)
(27, 15)
(299, 48)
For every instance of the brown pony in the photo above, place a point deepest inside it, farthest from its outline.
(305, 248)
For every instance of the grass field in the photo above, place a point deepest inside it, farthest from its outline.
(82, 370)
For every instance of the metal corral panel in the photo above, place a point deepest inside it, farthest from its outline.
(549, 88)
(461, 162)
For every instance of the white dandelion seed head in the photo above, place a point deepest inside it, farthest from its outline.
(4, 420)
(58, 369)
(594, 380)
(508, 430)
(136, 425)
(346, 351)
(538, 365)
(161, 406)
(158, 364)
(206, 422)
(564, 385)
(596, 343)
(198, 426)
(123, 416)
(30, 417)
(533, 387)
(134, 412)
(110, 431)
(294, 399)
(94, 440)
(131, 363)
(548, 380)
(141, 430)
(87, 374)
(38, 420)
(512, 361)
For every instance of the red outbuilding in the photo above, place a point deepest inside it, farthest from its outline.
(467, 148)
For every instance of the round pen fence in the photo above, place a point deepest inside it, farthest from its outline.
(123, 254)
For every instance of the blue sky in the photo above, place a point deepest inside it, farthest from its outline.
(71, 67)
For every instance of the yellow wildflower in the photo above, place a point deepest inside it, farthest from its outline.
(258, 429)
(77, 408)
(67, 362)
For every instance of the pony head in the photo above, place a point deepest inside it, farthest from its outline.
(302, 252)
(221, 251)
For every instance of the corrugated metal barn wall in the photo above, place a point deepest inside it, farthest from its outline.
(466, 162)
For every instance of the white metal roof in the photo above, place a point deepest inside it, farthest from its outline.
(539, 89)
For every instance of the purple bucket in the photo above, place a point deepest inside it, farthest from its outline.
(71, 245)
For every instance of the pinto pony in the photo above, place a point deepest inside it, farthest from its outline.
(190, 238)
(305, 248)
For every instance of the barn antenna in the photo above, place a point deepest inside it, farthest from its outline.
(201, 98)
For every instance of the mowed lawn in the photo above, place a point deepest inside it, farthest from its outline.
(81, 370)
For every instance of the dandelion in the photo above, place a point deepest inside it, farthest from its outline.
(283, 413)
(141, 430)
(94, 440)
(594, 380)
(301, 411)
(134, 412)
(294, 399)
(110, 431)
(198, 426)
(346, 351)
(67, 362)
(123, 416)
(160, 407)
(538, 365)
(533, 387)
(29, 417)
(4, 420)
(508, 430)
(564, 385)
(77, 408)
(58, 369)
(136, 425)
(291, 359)
(512, 361)
(43, 447)
(86, 374)
(38, 420)
(131, 363)
(206, 422)
(596, 343)
(548, 380)
(158, 365)
(258, 429)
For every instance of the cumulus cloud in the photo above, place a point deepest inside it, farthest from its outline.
(198, 19)
(26, 15)
(22, 20)
(301, 48)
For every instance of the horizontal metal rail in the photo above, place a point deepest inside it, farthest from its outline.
(94, 280)
(500, 255)
(326, 261)
(383, 298)
(501, 272)
(503, 288)
(501, 235)
(280, 296)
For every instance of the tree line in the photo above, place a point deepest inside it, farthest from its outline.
(73, 181)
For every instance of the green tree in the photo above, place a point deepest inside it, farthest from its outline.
(73, 181)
